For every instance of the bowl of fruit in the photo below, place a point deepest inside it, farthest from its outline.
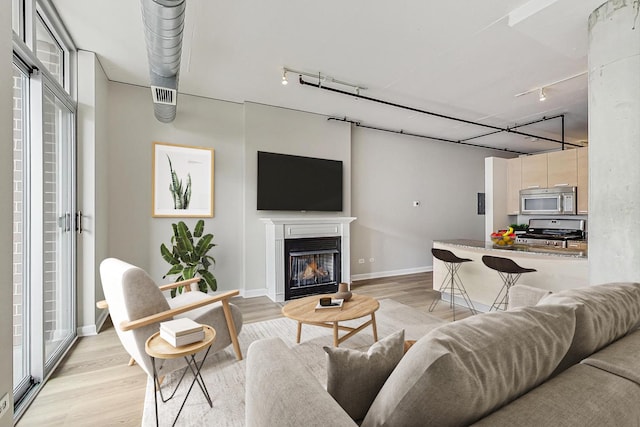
(503, 237)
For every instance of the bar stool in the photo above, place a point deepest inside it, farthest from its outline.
(452, 281)
(510, 272)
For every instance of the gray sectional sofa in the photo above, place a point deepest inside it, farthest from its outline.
(566, 359)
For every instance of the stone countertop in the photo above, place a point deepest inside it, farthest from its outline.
(534, 250)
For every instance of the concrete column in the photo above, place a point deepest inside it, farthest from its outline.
(614, 142)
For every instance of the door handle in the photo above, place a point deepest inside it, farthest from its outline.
(79, 222)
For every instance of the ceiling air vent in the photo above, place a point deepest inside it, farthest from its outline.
(163, 95)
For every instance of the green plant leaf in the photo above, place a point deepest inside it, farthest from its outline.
(189, 272)
(211, 259)
(185, 237)
(203, 245)
(199, 229)
(174, 270)
(168, 255)
(209, 279)
(186, 197)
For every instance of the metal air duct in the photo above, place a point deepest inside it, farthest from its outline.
(163, 26)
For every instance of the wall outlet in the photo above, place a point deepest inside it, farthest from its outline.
(361, 261)
(416, 203)
(371, 259)
(4, 405)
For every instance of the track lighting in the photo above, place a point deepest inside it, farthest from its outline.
(541, 89)
(542, 96)
(323, 79)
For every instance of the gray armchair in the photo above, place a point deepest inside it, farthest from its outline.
(137, 305)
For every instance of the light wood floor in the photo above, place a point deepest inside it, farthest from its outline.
(93, 386)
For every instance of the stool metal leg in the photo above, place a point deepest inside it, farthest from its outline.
(502, 299)
(454, 285)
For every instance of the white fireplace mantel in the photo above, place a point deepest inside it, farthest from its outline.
(279, 229)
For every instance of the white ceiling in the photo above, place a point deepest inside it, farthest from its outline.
(466, 59)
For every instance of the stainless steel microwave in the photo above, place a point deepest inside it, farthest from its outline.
(546, 201)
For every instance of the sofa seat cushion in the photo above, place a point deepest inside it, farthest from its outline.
(464, 370)
(604, 313)
(622, 358)
(581, 396)
(355, 377)
(281, 391)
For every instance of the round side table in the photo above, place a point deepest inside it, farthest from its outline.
(157, 348)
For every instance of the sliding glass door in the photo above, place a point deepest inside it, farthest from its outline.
(44, 197)
(44, 227)
(21, 365)
(58, 226)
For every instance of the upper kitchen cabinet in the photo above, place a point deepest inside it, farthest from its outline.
(534, 171)
(583, 180)
(562, 168)
(514, 184)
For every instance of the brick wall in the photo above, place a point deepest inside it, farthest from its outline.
(18, 194)
(51, 57)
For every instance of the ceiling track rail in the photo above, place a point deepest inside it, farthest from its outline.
(497, 129)
(402, 132)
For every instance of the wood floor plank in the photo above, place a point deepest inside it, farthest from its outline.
(93, 386)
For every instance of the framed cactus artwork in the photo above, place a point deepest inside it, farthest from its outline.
(182, 181)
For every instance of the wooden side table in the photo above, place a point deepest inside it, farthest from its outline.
(157, 348)
(304, 311)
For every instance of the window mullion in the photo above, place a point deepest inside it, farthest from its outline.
(36, 225)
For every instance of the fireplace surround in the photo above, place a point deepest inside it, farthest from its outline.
(283, 233)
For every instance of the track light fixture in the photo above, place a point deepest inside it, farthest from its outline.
(322, 79)
(541, 89)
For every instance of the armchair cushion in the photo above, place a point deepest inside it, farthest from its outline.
(211, 314)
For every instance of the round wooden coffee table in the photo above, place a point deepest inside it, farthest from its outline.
(304, 311)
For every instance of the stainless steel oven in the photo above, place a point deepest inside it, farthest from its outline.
(548, 201)
(553, 232)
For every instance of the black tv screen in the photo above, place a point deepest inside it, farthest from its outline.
(296, 183)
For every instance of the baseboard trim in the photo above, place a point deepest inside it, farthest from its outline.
(89, 330)
(481, 308)
(390, 273)
(253, 293)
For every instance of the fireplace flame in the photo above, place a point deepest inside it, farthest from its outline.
(312, 271)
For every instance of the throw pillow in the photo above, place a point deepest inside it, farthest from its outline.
(462, 371)
(354, 377)
(604, 313)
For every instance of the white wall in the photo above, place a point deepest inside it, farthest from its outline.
(390, 172)
(383, 174)
(92, 188)
(6, 210)
(133, 234)
(285, 131)
(495, 184)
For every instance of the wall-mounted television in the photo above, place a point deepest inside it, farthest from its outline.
(296, 183)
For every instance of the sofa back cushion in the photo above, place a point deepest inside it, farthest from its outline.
(464, 370)
(604, 313)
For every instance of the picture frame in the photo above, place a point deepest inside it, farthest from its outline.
(182, 181)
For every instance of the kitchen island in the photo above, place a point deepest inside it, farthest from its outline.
(557, 268)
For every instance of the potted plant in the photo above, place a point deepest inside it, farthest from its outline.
(189, 257)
